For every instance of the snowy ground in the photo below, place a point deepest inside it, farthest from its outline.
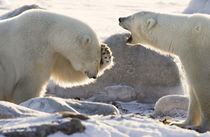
(102, 16)
(130, 126)
(135, 120)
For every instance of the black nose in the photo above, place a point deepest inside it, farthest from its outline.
(94, 77)
(121, 19)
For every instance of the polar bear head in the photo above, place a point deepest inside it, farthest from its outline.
(140, 25)
(86, 55)
(79, 57)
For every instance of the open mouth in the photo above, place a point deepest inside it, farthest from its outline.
(129, 39)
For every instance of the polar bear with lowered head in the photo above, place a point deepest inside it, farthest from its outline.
(186, 36)
(38, 45)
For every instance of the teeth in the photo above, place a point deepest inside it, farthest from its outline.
(129, 39)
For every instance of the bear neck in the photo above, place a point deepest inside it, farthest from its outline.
(166, 35)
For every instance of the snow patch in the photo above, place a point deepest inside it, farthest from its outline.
(130, 126)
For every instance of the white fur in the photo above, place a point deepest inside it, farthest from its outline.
(188, 37)
(37, 45)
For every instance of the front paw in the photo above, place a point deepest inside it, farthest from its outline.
(106, 56)
(199, 129)
(179, 124)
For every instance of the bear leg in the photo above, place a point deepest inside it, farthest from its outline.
(26, 89)
(7, 77)
(193, 116)
(205, 116)
(202, 94)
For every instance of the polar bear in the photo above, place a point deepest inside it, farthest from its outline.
(38, 45)
(186, 36)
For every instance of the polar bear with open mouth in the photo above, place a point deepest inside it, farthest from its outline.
(186, 36)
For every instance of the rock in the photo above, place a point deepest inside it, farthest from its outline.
(10, 110)
(48, 105)
(55, 104)
(67, 126)
(120, 92)
(16, 120)
(149, 74)
(198, 6)
(4, 4)
(66, 114)
(172, 105)
(18, 11)
(116, 92)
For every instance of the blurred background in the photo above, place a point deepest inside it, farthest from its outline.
(101, 15)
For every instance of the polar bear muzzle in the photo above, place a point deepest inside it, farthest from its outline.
(89, 75)
(124, 22)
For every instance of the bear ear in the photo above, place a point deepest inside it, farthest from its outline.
(86, 39)
(151, 22)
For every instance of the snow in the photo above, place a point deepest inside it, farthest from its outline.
(10, 110)
(130, 126)
(102, 16)
(136, 121)
(134, 107)
(25, 122)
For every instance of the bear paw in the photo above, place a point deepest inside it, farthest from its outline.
(106, 56)
(180, 124)
(200, 128)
